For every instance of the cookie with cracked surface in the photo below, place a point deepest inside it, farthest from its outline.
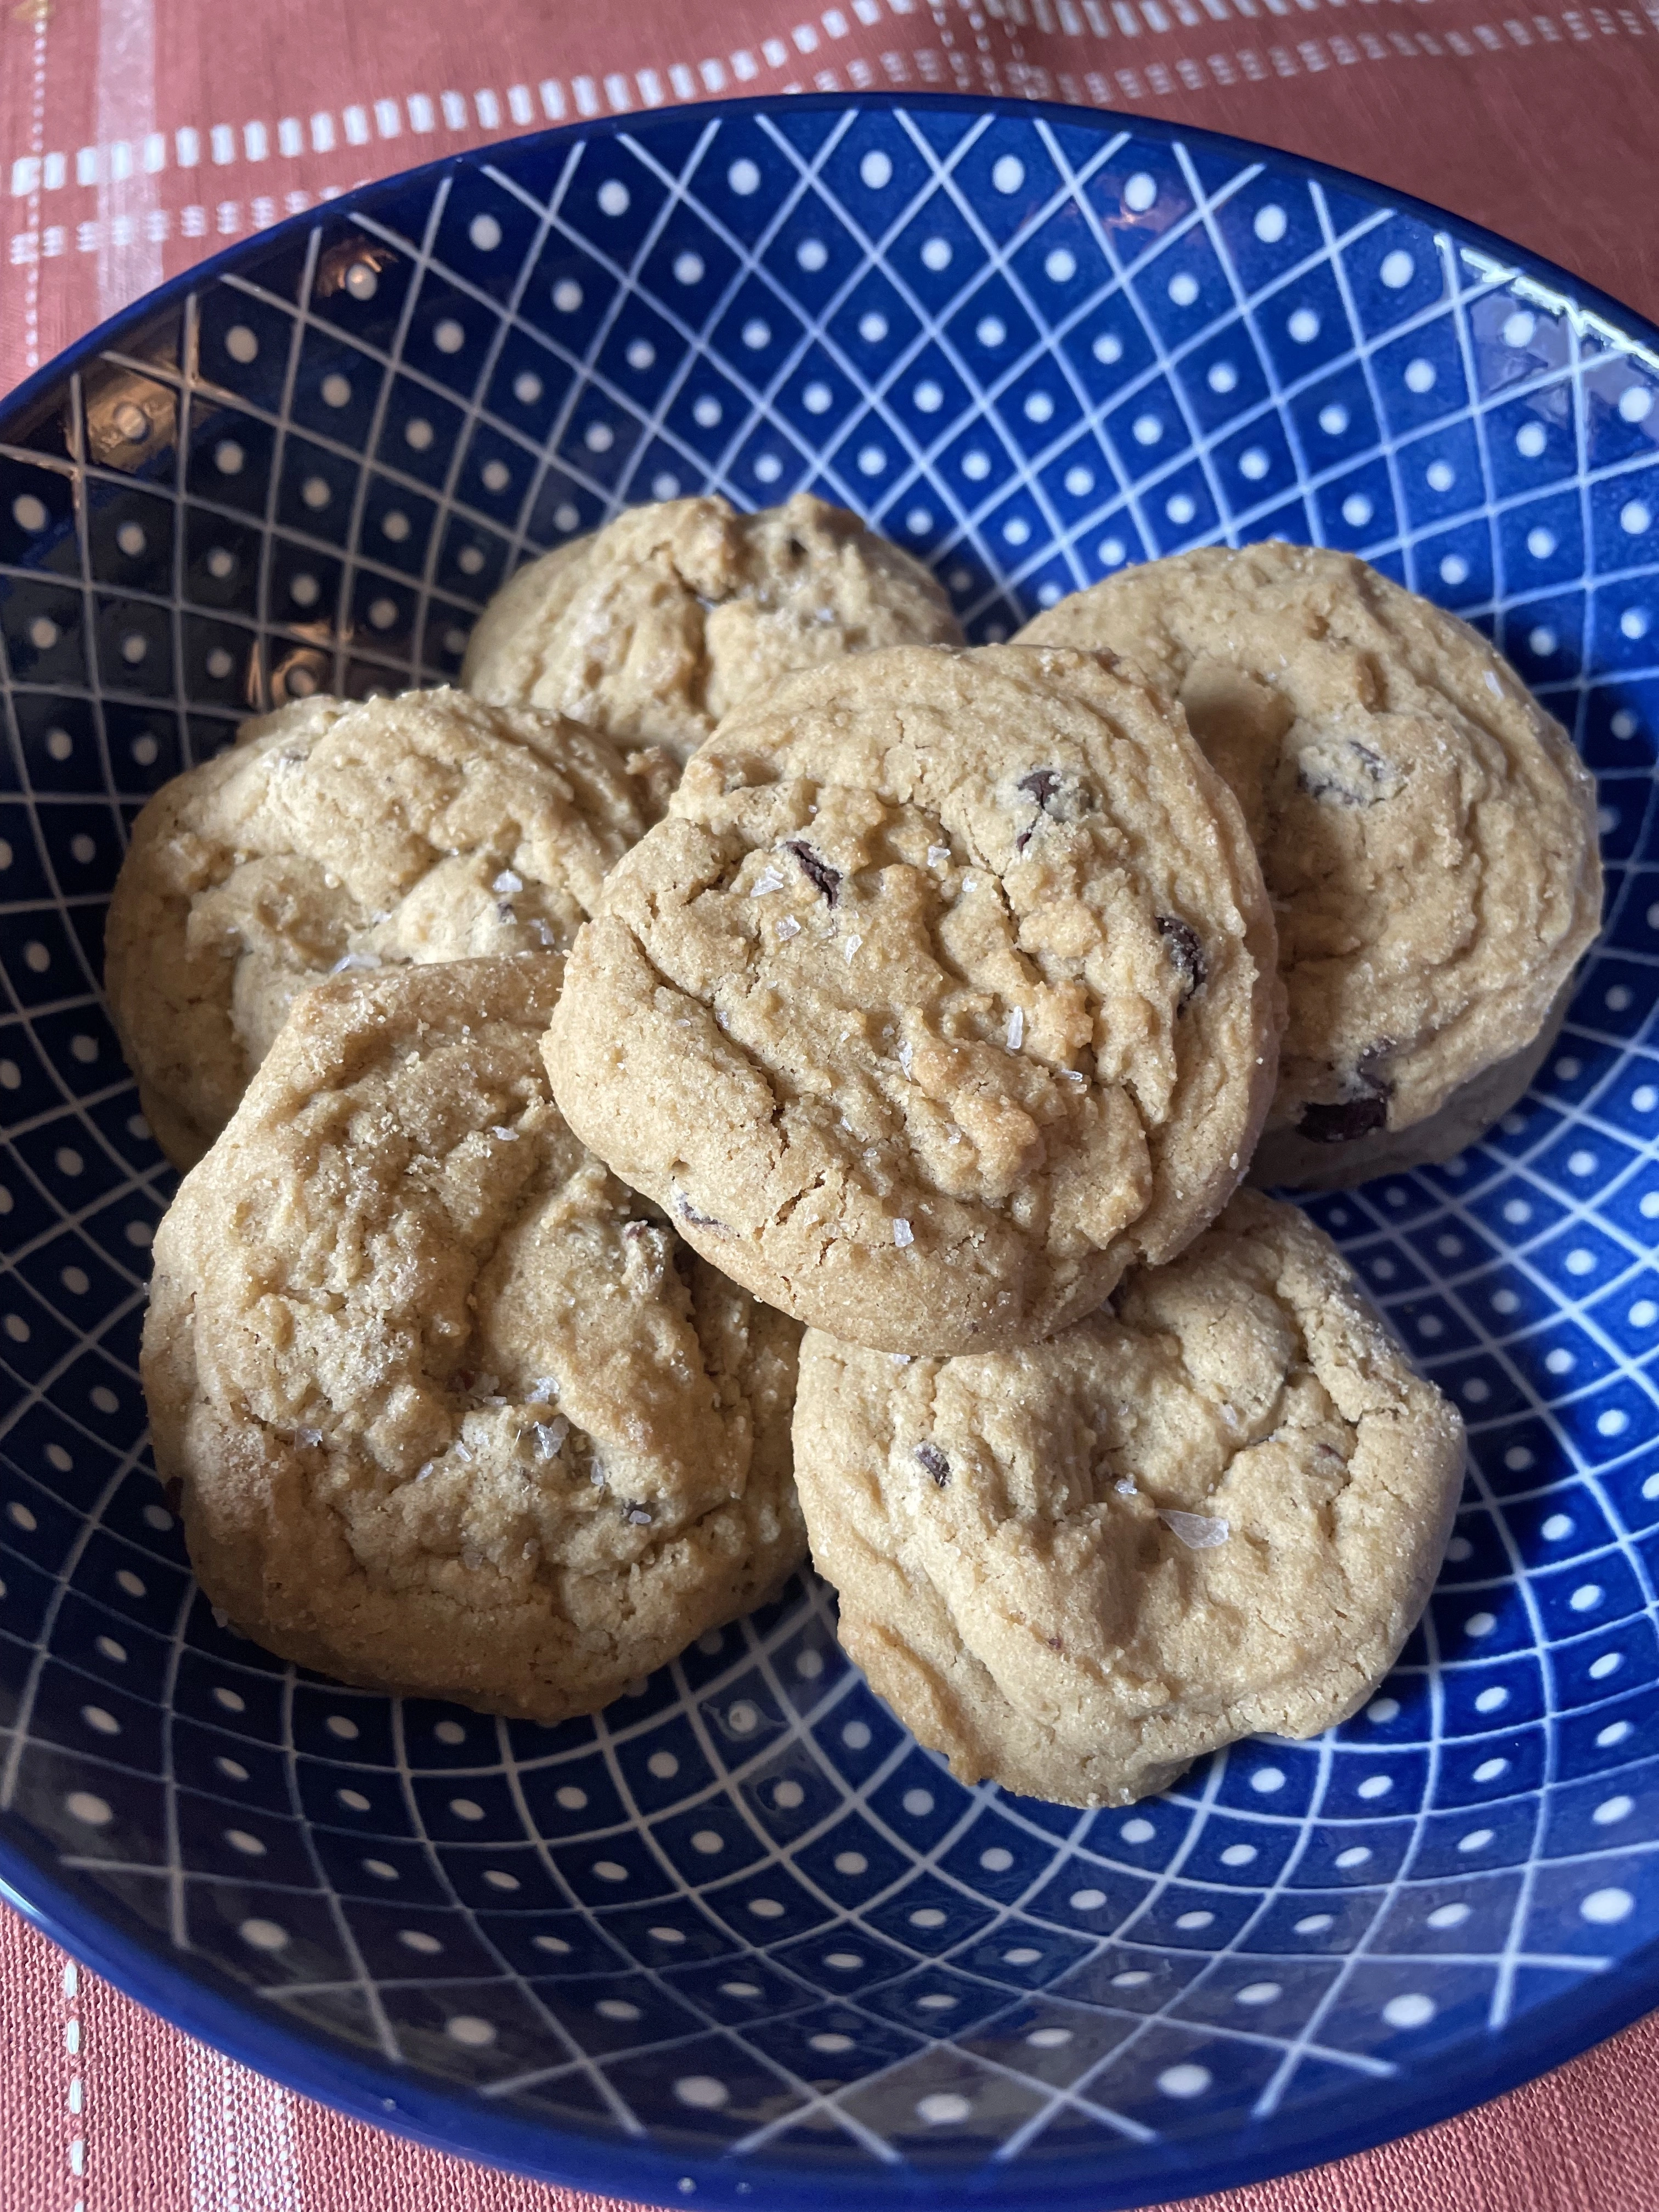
(945, 992)
(674, 615)
(333, 835)
(452, 1414)
(1427, 831)
(1215, 1507)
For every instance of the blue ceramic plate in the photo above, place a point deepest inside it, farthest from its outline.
(738, 1938)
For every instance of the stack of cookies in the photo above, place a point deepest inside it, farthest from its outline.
(739, 953)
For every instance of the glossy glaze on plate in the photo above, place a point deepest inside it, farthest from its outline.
(738, 1938)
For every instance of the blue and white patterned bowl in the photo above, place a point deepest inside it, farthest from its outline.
(738, 1938)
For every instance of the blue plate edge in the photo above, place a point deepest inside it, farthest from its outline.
(305, 2061)
(308, 2063)
(1628, 321)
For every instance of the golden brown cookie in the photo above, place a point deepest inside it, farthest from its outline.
(1427, 833)
(331, 837)
(453, 1414)
(944, 993)
(674, 615)
(1215, 1507)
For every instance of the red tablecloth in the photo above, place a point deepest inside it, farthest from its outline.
(139, 135)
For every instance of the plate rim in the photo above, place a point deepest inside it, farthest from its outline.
(191, 1994)
(186, 1994)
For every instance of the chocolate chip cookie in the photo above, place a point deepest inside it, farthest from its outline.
(674, 615)
(1427, 832)
(454, 1415)
(945, 992)
(1216, 1506)
(333, 836)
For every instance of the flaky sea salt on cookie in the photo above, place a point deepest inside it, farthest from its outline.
(1427, 832)
(453, 1416)
(1213, 1508)
(944, 993)
(674, 615)
(333, 836)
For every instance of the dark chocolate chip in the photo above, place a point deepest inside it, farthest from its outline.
(1041, 784)
(1339, 1122)
(816, 869)
(1185, 954)
(935, 1462)
(687, 1212)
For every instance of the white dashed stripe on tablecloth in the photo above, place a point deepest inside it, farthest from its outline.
(243, 2156)
(76, 2094)
(37, 142)
(137, 154)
